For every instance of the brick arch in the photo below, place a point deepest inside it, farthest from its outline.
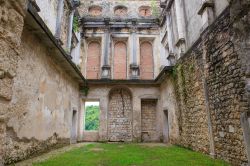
(95, 10)
(120, 11)
(120, 60)
(145, 11)
(93, 60)
(120, 115)
(146, 61)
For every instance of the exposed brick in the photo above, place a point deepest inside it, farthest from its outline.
(146, 61)
(120, 61)
(93, 60)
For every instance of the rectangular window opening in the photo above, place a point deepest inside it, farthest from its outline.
(92, 113)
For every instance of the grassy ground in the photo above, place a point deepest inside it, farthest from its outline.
(130, 155)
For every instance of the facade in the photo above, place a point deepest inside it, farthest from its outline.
(170, 71)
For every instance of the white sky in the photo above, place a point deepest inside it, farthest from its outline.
(91, 103)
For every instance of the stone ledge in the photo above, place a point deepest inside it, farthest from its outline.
(204, 6)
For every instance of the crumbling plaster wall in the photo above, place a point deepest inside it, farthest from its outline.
(36, 97)
(11, 26)
(169, 104)
(139, 92)
(41, 107)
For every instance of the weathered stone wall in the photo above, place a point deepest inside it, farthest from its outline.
(36, 97)
(169, 103)
(120, 115)
(11, 26)
(148, 120)
(40, 111)
(193, 125)
(211, 81)
(139, 92)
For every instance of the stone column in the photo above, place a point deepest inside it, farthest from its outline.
(134, 67)
(180, 19)
(106, 67)
(59, 19)
(71, 18)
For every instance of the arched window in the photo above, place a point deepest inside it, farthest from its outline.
(120, 11)
(120, 60)
(95, 10)
(145, 11)
(93, 60)
(146, 61)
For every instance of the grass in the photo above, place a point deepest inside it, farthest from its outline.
(130, 155)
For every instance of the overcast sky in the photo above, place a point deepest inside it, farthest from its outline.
(91, 103)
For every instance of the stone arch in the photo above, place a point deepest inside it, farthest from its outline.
(95, 10)
(120, 60)
(145, 11)
(93, 60)
(146, 61)
(120, 11)
(120, 115)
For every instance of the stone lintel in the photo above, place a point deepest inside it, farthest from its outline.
(206, 4)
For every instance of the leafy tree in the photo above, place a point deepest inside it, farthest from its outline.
(92, 118)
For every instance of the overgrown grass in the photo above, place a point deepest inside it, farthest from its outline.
(130, 155)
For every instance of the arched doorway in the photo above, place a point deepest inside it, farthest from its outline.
(120, 115)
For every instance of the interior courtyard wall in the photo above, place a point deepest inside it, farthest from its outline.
(139, 92)
(213, 74)
(170, 104)
(32, 121)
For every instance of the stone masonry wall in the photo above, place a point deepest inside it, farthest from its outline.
(36, 95)
(193, 124)
(211, 90)
(226, 91)
(120, 116)
(11, 26)
(40, 112)
(148, 120)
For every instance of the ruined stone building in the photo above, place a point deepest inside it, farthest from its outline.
(173, 71)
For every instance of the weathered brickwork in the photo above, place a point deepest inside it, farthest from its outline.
(120, 115)
(146, 61)
(120, 61)
(93, 60)
(148, 120)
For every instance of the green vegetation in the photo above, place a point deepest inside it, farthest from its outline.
(130, 154)
(155, 9)
(75, 24)
(92, 118)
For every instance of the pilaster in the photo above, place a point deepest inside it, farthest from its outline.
(106, 72)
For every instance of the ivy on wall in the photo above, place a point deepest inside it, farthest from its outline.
(75, 24)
